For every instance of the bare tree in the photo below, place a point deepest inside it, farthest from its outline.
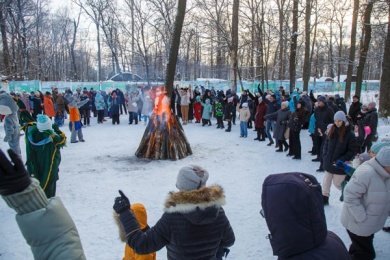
(293, 49)
(384, 100)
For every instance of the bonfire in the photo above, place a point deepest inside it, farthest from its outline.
(164, 137)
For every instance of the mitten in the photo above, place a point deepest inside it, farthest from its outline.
(346, 167)
(121, 203)
(13, 176)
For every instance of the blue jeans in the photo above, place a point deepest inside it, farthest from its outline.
(243, 129)
(270, 124)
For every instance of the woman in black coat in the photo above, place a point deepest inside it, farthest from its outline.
(339, 145)
(282, 116)
(295, 123)
(193, 226)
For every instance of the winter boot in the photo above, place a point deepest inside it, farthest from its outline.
(325, 199)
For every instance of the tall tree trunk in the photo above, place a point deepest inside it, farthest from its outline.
(340, 51)
(331, 59)
(234, 45)
(364, 48)
(6, 55)
(351, 59)
(293, 49)
(307, 60)
(384, 94)
(281, 39)
(99, 52)
(174, 50)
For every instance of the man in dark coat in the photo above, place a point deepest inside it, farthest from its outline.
(371, 120)
(194, 225)
(340, 103)
(272, 107)
(297, 224)
(354, 109)
(324, 116)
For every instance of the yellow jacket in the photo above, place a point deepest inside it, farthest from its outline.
(139, 212)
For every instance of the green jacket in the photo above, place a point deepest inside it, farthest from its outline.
(43, 153)
(46, 225)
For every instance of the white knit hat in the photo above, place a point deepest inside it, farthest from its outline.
(44, 123)
(191, 177)
(383, 157)
(340, 115)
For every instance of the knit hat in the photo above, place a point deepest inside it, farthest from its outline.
(245, 105)
(375, 148)
(383, 157)
(321, 99)
(44, 123)
(340, 115)
(191, 177)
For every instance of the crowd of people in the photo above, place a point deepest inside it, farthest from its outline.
(345, 145)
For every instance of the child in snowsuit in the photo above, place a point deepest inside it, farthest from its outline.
(197, 109)
(206, 115)
(75, 125)
(140, 214)
(219, 113)
(245, 115)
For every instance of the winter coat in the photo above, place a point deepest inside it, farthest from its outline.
(198, 111)
(282, 116)
(324, 117)
(218, 109)
(298, 225)
(114, 106)
(60, 104)
(308, 103)
(147, 106)
(297, 119)
(207, 109)
(312, 124)
(340, 103)
(293, 101)
(366, 199)
(335, 150)
(140, 214)
(194, 226)
(185, 96)
(99, 102)
(37, 105)
(45, 224)
(132, 103)
(229, 110)
(260, 113)
(48, 106)
(371, 120)
(354, 110)
(272, 107)
(245, 114)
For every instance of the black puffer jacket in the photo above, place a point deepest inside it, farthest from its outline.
(371, 120)
(194, 226)
(335, 150)
(354, 110)
(324, 117)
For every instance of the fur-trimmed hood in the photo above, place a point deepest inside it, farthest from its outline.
(198, 206)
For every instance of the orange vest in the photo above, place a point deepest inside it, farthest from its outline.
(74, 114)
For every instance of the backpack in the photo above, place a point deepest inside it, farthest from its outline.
(294, 211)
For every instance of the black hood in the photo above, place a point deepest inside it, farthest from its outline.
(294, 212)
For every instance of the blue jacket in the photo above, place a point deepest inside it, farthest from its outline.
(207, 109)
(312, 124)
(99, 102)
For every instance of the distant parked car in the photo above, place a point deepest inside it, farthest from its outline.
(125, 76)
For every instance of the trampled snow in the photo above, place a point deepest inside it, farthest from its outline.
(92, 172)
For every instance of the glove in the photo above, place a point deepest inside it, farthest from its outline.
(346, 168)
(13, 177)
(121, 203)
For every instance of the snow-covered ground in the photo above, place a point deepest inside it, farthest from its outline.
(92, 172)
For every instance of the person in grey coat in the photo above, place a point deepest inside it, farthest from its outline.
(282, 116)
(367, 204)
(45, 223)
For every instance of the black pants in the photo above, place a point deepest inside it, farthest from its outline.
(281, 144)
(100, 116)
(234, 116)
(133, 116)
(319, 140)
(205, 122)
(295, 143)
(261, 135)
(368, 142)
(124, 108)
(249, 124)
(220, 122)
(362, 248)
(86, 116)
(115, 119)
